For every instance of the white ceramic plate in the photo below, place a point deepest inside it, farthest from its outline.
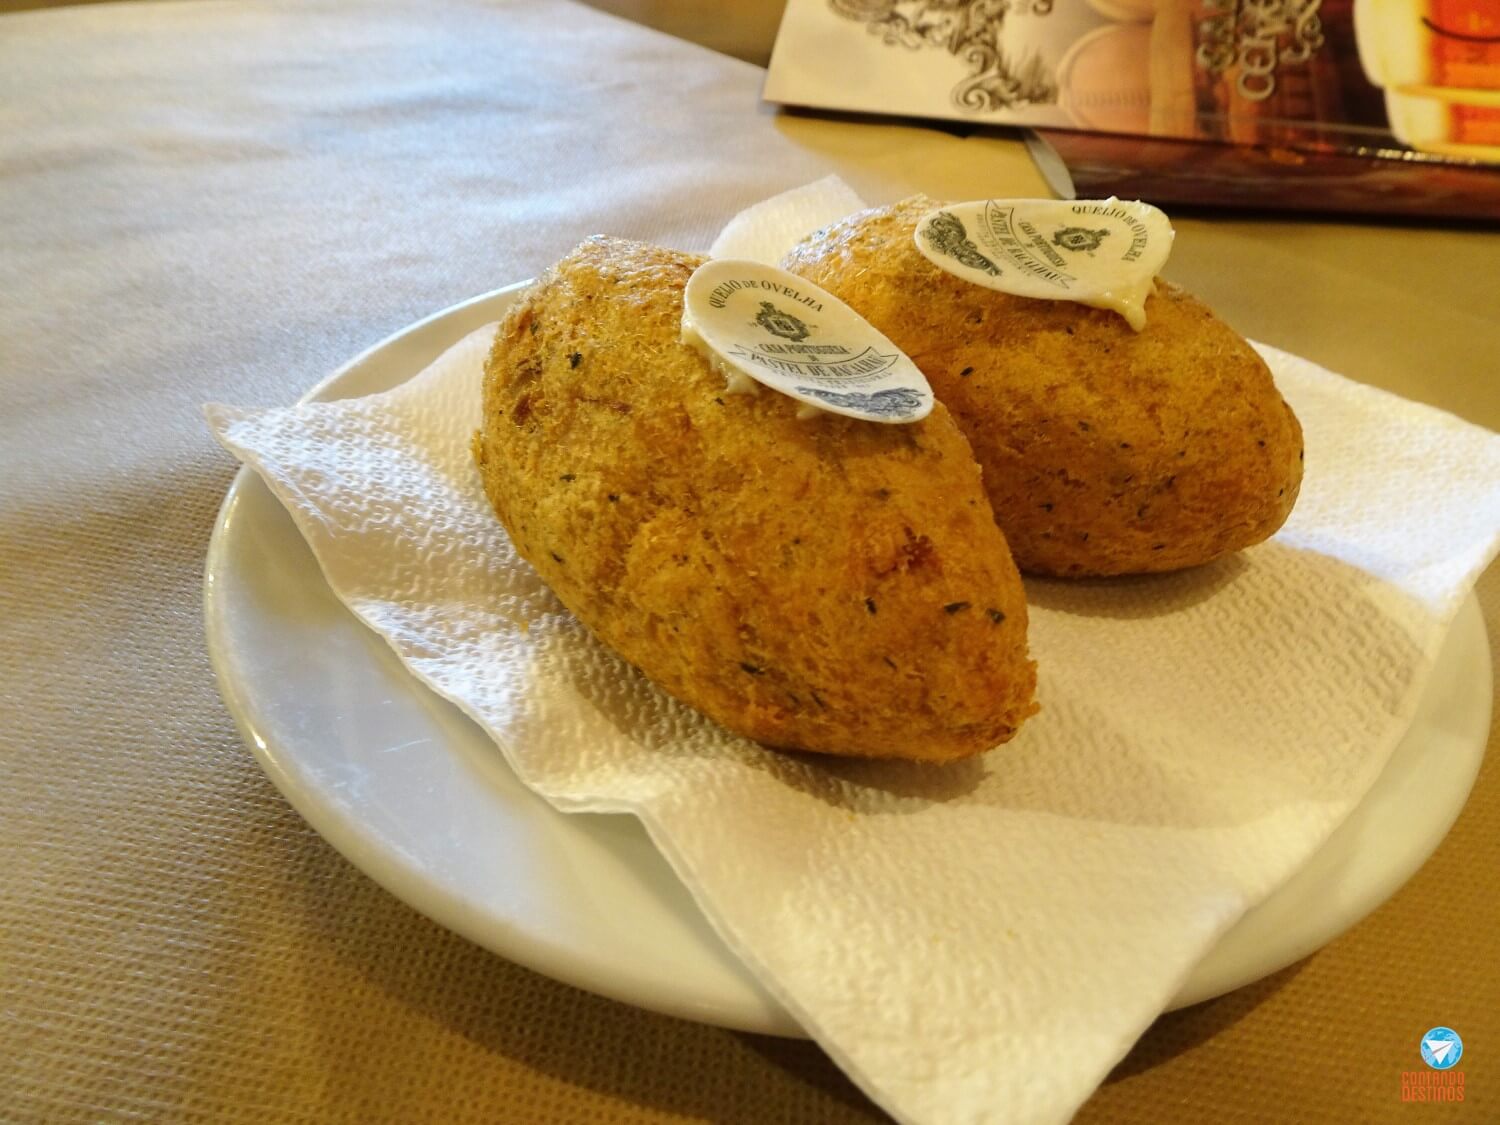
(421, 800)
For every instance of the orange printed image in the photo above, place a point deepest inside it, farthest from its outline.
(1430, 46)
(1445, 125)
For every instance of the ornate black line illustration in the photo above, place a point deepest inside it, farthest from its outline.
(971, 31)
(893, 402)
(945, 233)
(779, 322)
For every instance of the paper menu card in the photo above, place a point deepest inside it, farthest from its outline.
(1331, 98)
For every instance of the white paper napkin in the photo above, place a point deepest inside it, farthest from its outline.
(980, 942)
(765, 231)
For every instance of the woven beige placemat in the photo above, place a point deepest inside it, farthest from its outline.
(226, 200)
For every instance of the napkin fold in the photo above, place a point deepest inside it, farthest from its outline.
(979, 942)
(765, 231)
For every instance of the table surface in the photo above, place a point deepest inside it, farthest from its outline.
(223, 201)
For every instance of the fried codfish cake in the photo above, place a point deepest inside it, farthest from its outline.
(1105, 451)
(828, 584)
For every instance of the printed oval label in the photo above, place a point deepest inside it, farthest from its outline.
(788, 334)
(1105, 253)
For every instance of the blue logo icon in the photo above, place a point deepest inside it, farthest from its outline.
(1441, 1048)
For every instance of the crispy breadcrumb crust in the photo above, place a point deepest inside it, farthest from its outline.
(1105, 451)
(829, 584)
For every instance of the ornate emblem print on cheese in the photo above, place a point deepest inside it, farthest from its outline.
(825, 355)
(779, 322)
(946, 234)
(1105, 253)
(1080, 240)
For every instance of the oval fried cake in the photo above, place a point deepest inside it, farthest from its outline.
(825, 584)
(1105, 451)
